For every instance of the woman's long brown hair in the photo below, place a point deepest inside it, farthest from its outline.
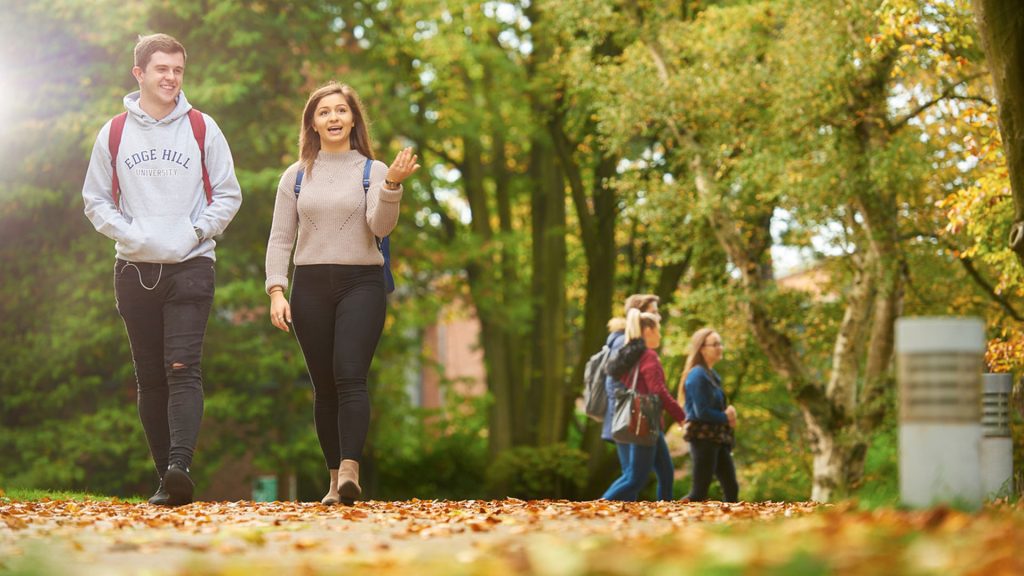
(694, 357)
(309, 140)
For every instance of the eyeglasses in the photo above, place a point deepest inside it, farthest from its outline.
(715, 345)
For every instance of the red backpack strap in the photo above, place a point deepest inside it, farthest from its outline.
(195, 117)
(114, 144)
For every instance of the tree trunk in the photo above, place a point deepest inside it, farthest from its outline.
(668, 280)
(597, 214)
(510, 292)
(548, 381)
(838, 459)
(1001, 23)
(598, 308)
(880, 218)
(482, 283)
(500, 385)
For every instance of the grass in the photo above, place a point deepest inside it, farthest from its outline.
(34, 494)
(881, 487)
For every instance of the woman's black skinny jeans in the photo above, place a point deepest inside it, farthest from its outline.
(712, 459)
(338, 315)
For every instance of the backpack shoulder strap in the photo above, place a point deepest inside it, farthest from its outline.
(298, 181)
(383, 244)
(366, 190)
(114, 144)
(636, 374)
(195, 117)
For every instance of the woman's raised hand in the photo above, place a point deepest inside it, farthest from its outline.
(403, 166)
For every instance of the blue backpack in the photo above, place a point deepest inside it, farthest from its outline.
(383, 244)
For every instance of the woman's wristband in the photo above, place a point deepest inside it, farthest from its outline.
(276, 289)
(391, 184)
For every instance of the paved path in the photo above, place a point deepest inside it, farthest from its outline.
(557, 538)
(110, 538)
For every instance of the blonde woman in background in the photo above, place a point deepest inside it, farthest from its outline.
(663, 469)
(650, 379)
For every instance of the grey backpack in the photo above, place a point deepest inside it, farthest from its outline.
(595, 398)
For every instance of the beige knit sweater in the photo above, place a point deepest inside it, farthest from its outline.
(335, 222)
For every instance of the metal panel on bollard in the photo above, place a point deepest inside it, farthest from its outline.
(264, 488)
(939, 363)
(996, 445)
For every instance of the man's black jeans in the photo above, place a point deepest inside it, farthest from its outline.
(165, 308)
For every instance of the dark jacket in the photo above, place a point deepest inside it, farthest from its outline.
(651, 380)
(614, 342)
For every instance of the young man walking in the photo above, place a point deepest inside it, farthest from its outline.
(161, 184)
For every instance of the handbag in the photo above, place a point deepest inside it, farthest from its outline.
(637, 416)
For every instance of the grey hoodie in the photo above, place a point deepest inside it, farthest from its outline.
(161, 181)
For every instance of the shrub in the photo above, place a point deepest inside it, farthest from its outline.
(530, 473)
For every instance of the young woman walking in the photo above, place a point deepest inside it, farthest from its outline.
(663, 469)
(711, 420)
(338, 297)
(650, 379)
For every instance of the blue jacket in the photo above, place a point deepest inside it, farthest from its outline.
(615, 341)
(705, 400)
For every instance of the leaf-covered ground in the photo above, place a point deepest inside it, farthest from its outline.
(503, 537)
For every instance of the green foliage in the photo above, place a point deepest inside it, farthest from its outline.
(528, 472)
(881, 470)
(435, 454)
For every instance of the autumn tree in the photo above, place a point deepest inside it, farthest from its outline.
(1001, 27)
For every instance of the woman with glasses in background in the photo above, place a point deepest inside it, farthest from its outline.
(711, 421)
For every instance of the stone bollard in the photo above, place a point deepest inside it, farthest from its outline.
(939, 362)
(996, 444)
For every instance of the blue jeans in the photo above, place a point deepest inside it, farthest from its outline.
(637, 463)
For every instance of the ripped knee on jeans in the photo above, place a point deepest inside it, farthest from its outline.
(183, 374)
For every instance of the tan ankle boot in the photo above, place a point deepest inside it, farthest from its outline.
(348, 482)
(332, 493)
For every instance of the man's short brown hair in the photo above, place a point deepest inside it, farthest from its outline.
(641, 301)
(149, 45)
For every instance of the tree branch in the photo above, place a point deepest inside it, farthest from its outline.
(446, 221)
(664, 72)
(975, 274)
(947, 94)
(564, 148)
(441, 154)
(968, 265)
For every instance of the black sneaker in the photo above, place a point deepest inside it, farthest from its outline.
(178, 484)
(161, 498)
